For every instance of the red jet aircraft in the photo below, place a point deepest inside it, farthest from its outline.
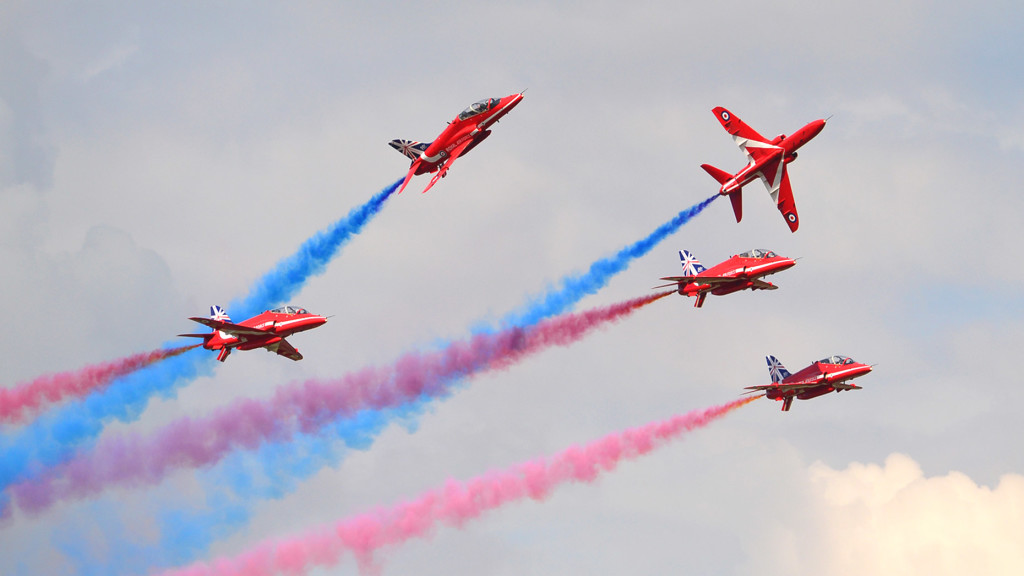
(824, 376)
(267, 330)
(467, 130)
(741, 272)
(768, 160)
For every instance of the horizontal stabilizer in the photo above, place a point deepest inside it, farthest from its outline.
(207, 335)
(720, 175)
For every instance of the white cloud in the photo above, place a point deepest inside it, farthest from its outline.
(892, 519)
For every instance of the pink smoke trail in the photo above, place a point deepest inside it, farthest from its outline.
(303, 406)
(17, 402)
(455, 503)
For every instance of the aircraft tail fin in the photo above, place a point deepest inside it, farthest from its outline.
(410, 148)
(737, 204)
(691, 266)
(776, 369)
(219, 314)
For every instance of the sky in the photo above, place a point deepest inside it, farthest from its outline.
(159, 159)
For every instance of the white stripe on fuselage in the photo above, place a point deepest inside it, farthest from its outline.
(841, 372)
(282, 323)
(751, 270)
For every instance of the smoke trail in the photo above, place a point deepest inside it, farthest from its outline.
(454, 503)
(17, 402)
(252, 476)
(291, 274)
(54, 437)
(322, 450)
(573, 288)
(304, 407)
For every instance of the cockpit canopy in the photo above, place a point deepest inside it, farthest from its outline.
(836, 359)
(758, 253)
(478, 108)
(290, 310)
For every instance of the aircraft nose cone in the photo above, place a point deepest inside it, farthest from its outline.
(784, 263)
(516, 99)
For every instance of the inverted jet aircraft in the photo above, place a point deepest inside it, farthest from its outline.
(768, 160)
(463, 133)
(267, 330)
(826, 375)
(740, 272)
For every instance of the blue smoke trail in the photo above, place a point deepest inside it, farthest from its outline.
(55, 436)
(291, 274)
(575, 287)
(276, 469)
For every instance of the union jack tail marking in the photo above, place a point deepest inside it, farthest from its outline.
(776, 369)
(691, 266)
(410, 148)
(219, 314)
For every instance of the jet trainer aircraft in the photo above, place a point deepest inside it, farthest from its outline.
(768, 160)
(824, 376)
(740, 272)
(463, 133)
(267, 330)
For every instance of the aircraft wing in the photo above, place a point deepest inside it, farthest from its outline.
(233, 329)
(776, 179)
(283, 348)
(784, 200)
(772, 174)
(762, 285)
(750, 142)
(789, 387)
(444, 168)
(700, 279)
(736, 127)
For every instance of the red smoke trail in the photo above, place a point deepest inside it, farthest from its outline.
(18, 401)
(455, 503)
(303, 406)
